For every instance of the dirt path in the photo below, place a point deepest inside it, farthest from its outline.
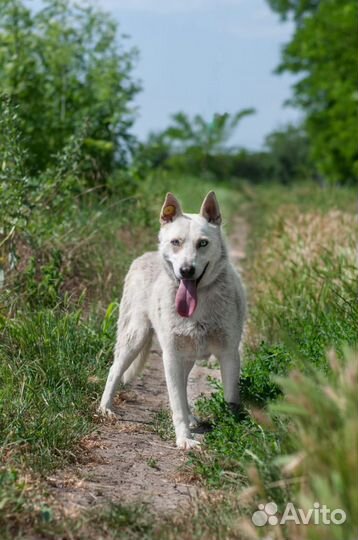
(125, 461)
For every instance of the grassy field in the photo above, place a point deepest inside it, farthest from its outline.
(295, 439)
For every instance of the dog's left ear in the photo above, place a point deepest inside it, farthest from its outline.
(171, 209)
(210, 209)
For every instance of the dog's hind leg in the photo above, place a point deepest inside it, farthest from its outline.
(130, 345)
(138, 364)
(230, 375)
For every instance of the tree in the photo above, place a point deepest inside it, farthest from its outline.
(288, 154)
(63, 67)
(323, 50)
(209, 137)
(195, 143)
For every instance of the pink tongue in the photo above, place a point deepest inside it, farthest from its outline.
(186, 298)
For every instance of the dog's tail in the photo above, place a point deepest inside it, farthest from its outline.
(138, 364)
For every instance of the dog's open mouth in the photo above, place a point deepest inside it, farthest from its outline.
(186, 298)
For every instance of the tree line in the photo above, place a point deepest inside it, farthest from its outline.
(67, 72)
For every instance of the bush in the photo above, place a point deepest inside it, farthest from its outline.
(63, 66)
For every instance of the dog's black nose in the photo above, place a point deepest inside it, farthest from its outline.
(187, 272)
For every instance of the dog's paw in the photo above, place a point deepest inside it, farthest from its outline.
(105, 411)
(187, 444)
(237, 410)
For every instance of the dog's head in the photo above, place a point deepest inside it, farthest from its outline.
(192, 248)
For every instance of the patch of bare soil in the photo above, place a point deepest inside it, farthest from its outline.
(125, 460)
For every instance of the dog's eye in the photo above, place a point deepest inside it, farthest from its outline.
(202, 243)
(175, 242)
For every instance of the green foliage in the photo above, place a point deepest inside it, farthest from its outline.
(233, 443)
(30, 206)
(51, 369)
(257, 384)
(209, 136)
(15, 186)
(26, 199)
(154, 152)
(318, 310)
(320, 404)
(43, 290)
(63, 66)
(287, 156)
(310, 304)
(321, 464)
(324, 49)
(163, 425)
(191, 146)
(298, 8)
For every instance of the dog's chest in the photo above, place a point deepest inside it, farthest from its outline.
(198, 338)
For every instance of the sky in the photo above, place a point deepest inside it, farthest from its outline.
(207, 56)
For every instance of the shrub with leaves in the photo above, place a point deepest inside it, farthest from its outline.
(31, 205)
(63, 64)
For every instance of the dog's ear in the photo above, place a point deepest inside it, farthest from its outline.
(171, 209)
(210, 209)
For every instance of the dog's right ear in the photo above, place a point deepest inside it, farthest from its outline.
(210, 209)
(171, 209)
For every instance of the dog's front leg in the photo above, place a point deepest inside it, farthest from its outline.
(176, 381)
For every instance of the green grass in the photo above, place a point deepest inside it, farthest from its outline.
(162, 425)
(52, 366)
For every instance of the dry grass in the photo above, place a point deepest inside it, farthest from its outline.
(295, 256)
(300, 240)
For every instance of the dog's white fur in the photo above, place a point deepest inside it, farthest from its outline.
(148, 305)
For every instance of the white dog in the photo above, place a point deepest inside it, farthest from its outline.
(192, 297)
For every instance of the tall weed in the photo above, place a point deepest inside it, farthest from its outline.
(322, 464)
